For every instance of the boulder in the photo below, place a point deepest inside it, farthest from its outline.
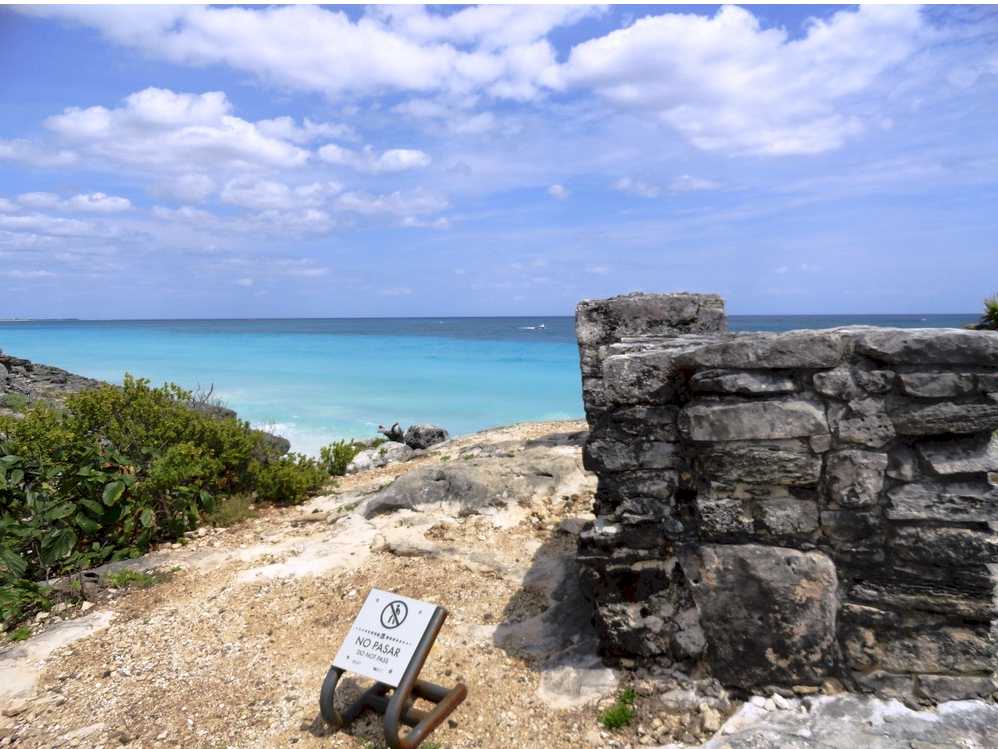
(377, 457)
(929, 346)
(768, 613)
(468, 487)
(422, 436)
(770, 420)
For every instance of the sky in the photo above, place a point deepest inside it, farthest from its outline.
(307, 161)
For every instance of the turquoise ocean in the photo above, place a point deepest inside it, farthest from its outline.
(316, 380)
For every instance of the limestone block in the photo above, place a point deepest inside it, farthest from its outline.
(966, 501)
(929, 346)
(768, 613)
(787, 463)
(787, 517)
(861, 422)
(943, 418)
(798, 349)
(741, 383)
(854, 478)
(722, 422)
(721, 518)
(847, 383)
(971, 455)
(935, 650)
(937, 384)
(945, 546)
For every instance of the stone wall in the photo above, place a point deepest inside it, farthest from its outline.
(789, 508)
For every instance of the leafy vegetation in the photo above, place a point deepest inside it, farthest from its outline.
(621, 713)
(989, 320)
(116, 470)
(336, 456)
(133, 579)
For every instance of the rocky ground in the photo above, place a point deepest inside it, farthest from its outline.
(230, 648)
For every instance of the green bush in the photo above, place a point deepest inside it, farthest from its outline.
(115, 470)
(289, 480)
(989, 319)
(336, 457)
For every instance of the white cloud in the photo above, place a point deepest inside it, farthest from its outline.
(246, 282)
(158, 128)
(725, 83)
(636, 187)
(188, 188)
(418, 223)
(263, 194)
(686, 183)
(398, 203)
(396, 291)
(96, 202)
(560, 192)
(34, 155)
(369, 160)
(50, 225)
(317, 49)
(286, 129)
(599, 270)
(7, 206)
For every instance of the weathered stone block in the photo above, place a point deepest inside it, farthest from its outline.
(945, 546)
(849, 526)
(944, 418)
(603, 320)
(798, 349)
(967, 594)
(768, 613)
(966, 501)
(723, 422)
(972, 455)
(600, 455)
(861, 422)
(935, 650)
(656, 423)
(787, 517)
(631, 484)
(929, 346)
(987, 383)
(937, 384)
(938, 688)
(724, 518)
(788, 463)
(854, 478)
(741, 383)
(643, 377)
(846, 383)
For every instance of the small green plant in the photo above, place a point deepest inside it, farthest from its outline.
(290, 480)
(231, 511)
(620, 713)
(444, 458)
(336, 456)
(133, 579)
(21, 633)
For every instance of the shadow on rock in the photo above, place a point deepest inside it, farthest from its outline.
(549, 623)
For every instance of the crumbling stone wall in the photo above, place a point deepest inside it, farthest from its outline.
(793, 507)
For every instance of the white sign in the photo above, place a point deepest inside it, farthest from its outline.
(384, 636)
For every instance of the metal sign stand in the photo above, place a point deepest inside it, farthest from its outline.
(398, 708)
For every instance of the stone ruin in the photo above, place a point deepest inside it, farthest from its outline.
(785, 509)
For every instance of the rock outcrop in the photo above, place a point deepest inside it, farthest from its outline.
(23, 381)
(422, 436)
(793, 507)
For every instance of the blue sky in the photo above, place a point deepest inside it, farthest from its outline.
(309, 161)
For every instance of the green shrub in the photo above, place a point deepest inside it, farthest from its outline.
(289, 480)
(230, 511)
(116, 470)
(989, 319)
(133, 579)
(621, 713)
(336, 456)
